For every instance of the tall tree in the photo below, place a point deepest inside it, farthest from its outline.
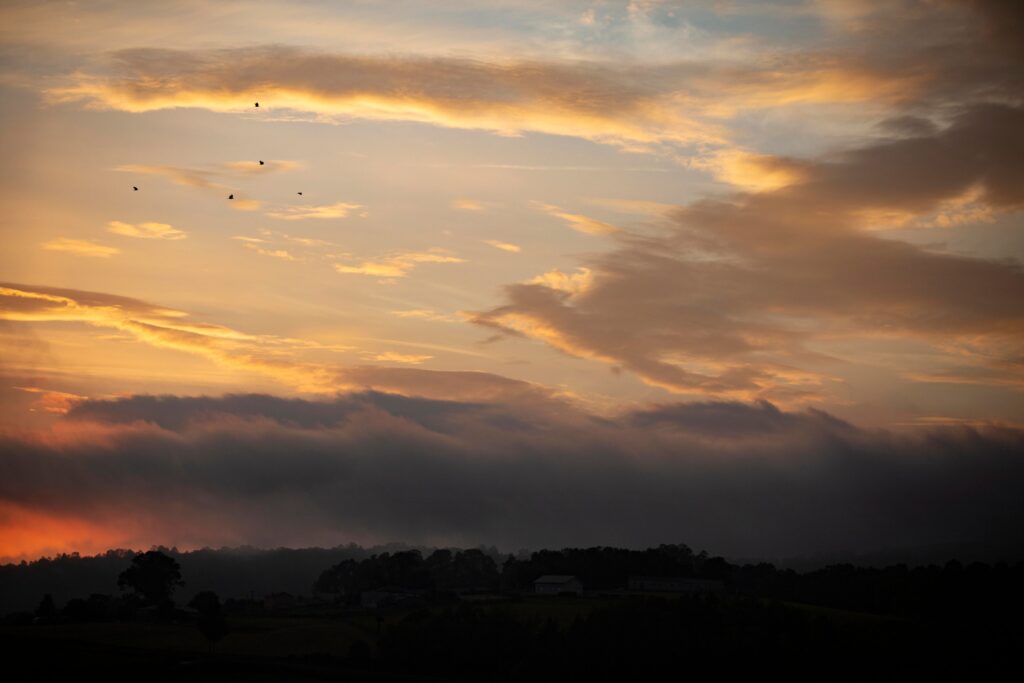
(153, 576)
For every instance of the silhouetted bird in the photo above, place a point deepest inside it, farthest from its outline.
(261, 162)
(135, 188)
(231, 196)
(257, 104)
(298, 193)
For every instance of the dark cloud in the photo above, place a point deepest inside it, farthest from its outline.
(742, 479)
(983, 146)
(463, 385)
(736, 421)
(1004, 21)
(732, 299)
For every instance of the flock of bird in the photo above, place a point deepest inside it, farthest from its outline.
(232, 195)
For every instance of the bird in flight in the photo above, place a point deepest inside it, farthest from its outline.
(298, 193)
(135, 189)
(257, 105)
(231, 196)
(261, 162)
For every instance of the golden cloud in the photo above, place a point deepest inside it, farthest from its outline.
(392, 357)
(752, 172)
(468, 205)
(425, 314)
(212, 178)
(398, 265)
(275, 253)
(579, 223)
(570, 283)
(298, 213)
(171, 329)
(50, 401)
(81, 247)
(504, 246)
(157, 231)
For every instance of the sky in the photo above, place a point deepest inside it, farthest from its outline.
(744, 275)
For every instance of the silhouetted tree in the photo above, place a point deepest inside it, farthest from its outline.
(153, 576)
(46, 609)
(211, 618)
(475, 571)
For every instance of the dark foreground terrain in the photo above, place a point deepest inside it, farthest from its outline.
(454, 615)
(530, 638)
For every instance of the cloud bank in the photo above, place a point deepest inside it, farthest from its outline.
(743, 479)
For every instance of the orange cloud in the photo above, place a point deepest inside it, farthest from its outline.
(275, 253)
(157, 231)
(468, 205)
(276, 357)
(425, 314)
(570, 283)
(281, 358)
(634, 206)
(81, 247)
(579, 223)
(58, 402)
(398, 265)
(504, 246)
(392, 357)
(753, 172)
(211, 178)
(298, 213)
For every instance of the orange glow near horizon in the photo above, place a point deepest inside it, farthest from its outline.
(30, 534)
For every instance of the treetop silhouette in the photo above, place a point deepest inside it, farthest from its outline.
(153, 576)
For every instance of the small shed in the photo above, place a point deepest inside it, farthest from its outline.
(557, 584)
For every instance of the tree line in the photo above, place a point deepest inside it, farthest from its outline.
(911, 623)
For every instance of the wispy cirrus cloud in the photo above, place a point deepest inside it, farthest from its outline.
(254, 167)
(425, 314)
(468, 205)
(190, 177)
(216, 178)
(153, 231)
(282, 254)
(633, 206)
(504, 246)
(80, 247)
(277, 357)
(398, 265)
(296, 363)
(327, 211)
(578, 222)
(395, 357)
(207, 177)
(633, 106)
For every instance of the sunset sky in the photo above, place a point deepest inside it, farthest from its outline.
(744, 275)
